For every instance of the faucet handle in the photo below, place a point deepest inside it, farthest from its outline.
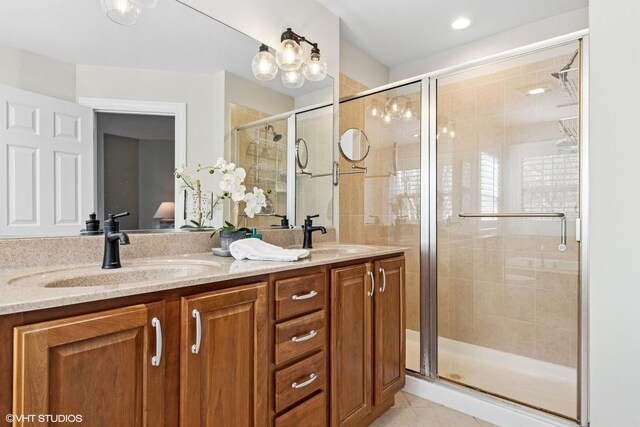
(309, 217)
(112, 218)
(284, 221)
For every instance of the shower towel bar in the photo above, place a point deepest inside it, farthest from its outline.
(563, 223)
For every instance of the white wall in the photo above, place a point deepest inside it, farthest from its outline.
(266, 20)
(361, 67)
(517, 37)
(615, 209)
(196, 90)
(36, 73)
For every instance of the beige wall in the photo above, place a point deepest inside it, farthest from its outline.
(25, 70)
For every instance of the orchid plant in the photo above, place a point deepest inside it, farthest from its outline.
(230, 188)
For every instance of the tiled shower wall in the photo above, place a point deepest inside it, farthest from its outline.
(382, 206)
(503, 283)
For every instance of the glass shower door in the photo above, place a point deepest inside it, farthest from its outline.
(507, 154)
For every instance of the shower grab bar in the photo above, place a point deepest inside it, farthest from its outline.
(512, 215)
(563, 223)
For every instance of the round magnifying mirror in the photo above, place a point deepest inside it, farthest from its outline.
(302, 153)
(354, 145)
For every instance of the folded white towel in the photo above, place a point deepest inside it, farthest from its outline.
(258, 250)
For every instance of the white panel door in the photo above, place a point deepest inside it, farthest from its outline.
(47, 157)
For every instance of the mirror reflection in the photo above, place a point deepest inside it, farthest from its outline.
(354, 145)
(302, 153)
(98, 115)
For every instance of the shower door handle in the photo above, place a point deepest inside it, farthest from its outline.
(563, 220)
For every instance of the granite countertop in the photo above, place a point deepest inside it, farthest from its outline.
(35, 288)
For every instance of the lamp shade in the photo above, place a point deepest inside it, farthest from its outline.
(289, 56)
(264, 65)
(315, 69)
(122, 12)
(166, 210)
(292, 79)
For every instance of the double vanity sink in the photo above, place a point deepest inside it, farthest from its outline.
(44, 288)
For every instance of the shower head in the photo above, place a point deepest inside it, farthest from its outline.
(276, 136)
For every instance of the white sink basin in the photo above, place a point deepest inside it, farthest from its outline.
(136, 272)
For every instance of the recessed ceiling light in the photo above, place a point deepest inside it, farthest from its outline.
(536, 91)
(460, 23)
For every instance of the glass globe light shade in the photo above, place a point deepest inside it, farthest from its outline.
(386, 119)
(315, 69)
(292, 79)
(374, 109)
(407, 113)
(121, 12)
(264, 65)
(289, 56)
(148, 4)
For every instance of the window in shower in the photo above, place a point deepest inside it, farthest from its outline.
(507, 143)
(382, 206)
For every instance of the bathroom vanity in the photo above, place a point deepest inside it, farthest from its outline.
(228, 343)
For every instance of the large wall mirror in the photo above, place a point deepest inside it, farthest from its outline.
(96, 116)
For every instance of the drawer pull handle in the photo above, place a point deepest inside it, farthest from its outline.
(305, 337)
(155, 360)
(373, 284)
(195, 349)
(304, 296)
(384, 280)
(311, 379)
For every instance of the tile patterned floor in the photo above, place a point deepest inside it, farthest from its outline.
(413, 411)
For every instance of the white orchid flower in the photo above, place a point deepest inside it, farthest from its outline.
(237, 195)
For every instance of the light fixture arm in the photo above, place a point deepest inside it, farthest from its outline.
(291, 35)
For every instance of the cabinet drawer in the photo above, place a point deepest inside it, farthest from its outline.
(300, 335)
(300, 380)
(312, 413)
(299, 295)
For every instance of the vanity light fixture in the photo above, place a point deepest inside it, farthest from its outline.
(126, 12)
(290, 59)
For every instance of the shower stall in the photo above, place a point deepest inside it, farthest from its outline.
(479, 170)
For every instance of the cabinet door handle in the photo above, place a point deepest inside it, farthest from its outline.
(155, 360)
(305, 337)
(196, 347)
(373, 284)
(304, 296)
(311, 379)
(384, 279)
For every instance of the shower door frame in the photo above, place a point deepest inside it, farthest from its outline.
(428, 248)
(429, 301)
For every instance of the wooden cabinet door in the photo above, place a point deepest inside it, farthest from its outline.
(351, 343)
(223, 377)
(389, 329)
(97, 366)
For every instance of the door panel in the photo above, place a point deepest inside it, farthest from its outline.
(225, 381)
(508, 175)
(351, 341)
(47, 149)
(389, 329)
(96, 365)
